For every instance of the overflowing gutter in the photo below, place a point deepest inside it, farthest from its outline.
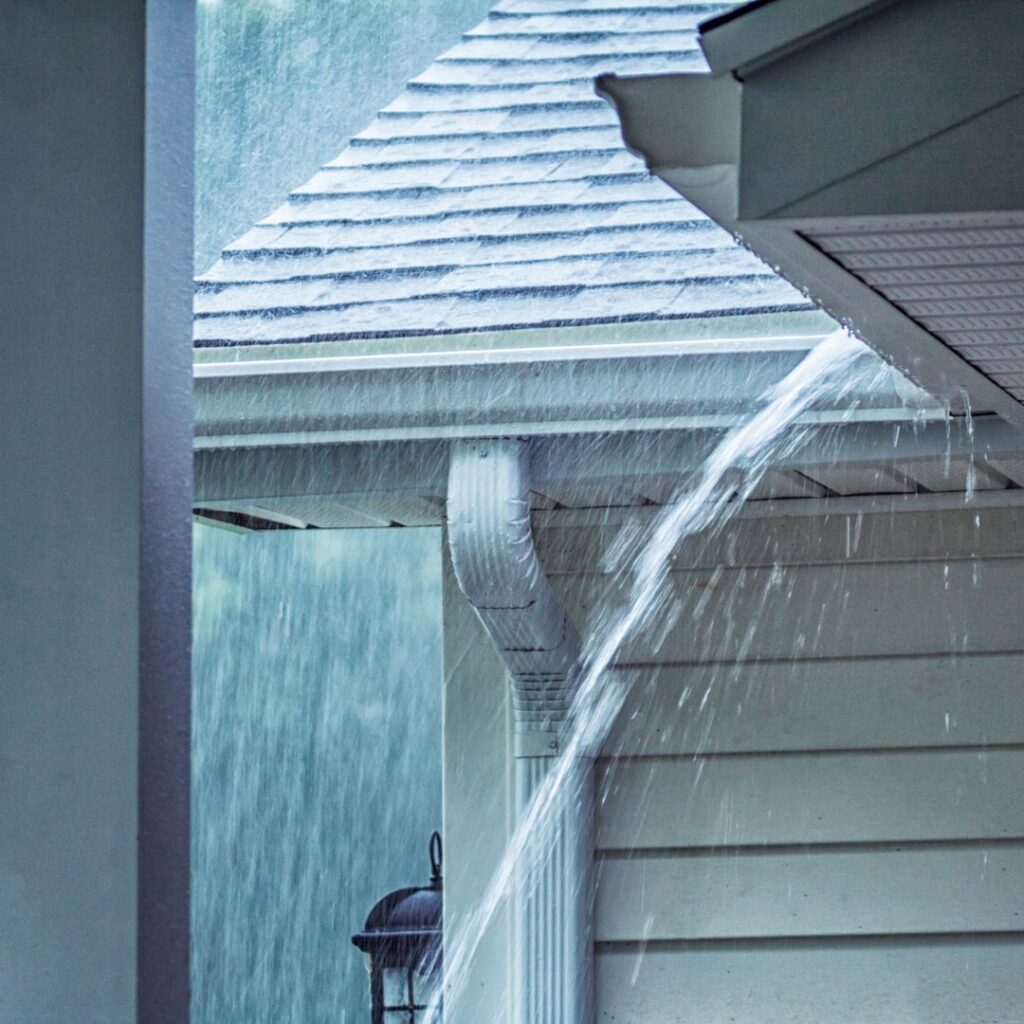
(313, 410)
(698, 376)
(852, 183)
(368, 430)
(893, 199)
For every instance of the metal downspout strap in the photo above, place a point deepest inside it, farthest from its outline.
(498, 570)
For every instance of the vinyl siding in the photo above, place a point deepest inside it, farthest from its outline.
(811, 805)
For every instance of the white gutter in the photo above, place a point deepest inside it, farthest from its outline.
(647, 386)
(498, 569)
(209, 369)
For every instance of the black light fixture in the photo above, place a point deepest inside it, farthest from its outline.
(402, 941)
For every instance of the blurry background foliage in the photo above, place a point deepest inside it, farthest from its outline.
(316, 658)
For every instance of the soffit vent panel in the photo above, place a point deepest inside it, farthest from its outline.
(960, 278)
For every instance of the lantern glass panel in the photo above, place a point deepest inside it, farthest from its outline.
(396, 988)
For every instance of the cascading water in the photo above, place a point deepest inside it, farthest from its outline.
(838, 367)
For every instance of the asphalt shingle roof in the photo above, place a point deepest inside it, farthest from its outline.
(494, 193)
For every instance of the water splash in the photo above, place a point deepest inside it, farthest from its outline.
(836, 368)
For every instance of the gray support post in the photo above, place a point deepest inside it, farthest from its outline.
(95, 493)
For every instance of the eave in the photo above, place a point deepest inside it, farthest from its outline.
(690, 375)
(616, 418)
(798, 146)
(447, 277)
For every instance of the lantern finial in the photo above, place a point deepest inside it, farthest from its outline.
(436, 859)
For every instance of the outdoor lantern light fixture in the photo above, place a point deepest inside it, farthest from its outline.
(402, 941)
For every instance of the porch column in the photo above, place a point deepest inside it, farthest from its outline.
(95, 492)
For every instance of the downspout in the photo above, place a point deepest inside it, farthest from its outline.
(497, 567)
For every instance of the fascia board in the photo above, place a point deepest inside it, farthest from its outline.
(728, 337)
(862, 95)
(688, 384)
(249, 474)
(234, 475)
(767, 29)
(704, 155)
(488, 346)
(659, 123)
(963, 169)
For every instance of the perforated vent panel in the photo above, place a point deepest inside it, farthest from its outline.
(961, 278)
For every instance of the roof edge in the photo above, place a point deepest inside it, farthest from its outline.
(489, 346)
(763, 30)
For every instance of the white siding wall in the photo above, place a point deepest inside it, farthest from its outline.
(811, 807)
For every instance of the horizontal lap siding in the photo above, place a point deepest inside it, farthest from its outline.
(655, 803)
(847, 704)
(812, 806)
(801, 612)
(815, 982)
(793, 893)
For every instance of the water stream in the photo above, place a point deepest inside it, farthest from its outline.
(836, 369)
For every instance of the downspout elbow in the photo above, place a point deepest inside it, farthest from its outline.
(499, 571)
